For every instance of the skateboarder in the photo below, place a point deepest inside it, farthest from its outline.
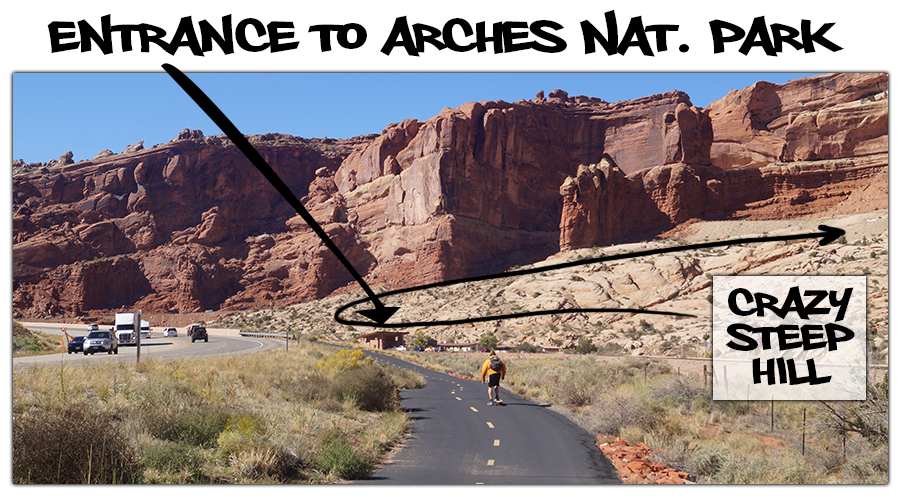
(495, 370)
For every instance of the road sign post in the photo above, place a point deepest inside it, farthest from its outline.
(137, 331)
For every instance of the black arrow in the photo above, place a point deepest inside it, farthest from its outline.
(827, 234)
(381, 313)
(483, 319)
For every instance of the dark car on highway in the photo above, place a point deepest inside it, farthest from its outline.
(76, 345)
(198, 332)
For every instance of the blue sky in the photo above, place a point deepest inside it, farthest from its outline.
(87, 113)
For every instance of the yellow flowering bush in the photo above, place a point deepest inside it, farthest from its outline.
(345, 360)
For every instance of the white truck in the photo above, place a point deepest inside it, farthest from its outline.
(124, 329)
(145, 329)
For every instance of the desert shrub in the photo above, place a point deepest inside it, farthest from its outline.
(307, 387)
(612, 411)
(579, 386)
(272, 462)
(241, 433)
(706, 460)
(369, 388)
(344, 360)
(194, 425)
(172, 457)
(404, 379)
(72, 445)
(637, 367)
(578, 381)
(867, 466)
(339, 458)
(868, 418)
(685, 393)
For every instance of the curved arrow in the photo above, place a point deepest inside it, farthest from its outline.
(827, 235)
(381, 313)
(483, 319)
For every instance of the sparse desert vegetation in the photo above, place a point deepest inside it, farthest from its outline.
(26, 342)
(634, 398)
(314, 414)
(716, 442)
(679, 281)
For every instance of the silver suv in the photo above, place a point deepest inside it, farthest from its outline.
(101, 341)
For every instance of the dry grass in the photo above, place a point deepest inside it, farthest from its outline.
(234, 419)
(716, 442)
(27, 342)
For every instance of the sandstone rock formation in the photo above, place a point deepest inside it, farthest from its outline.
(602, 205)
(840, 115)
(777, 151)
(164, 226)
(190, 224)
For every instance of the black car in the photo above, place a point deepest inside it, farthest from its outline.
(198, 332)
(76, 345)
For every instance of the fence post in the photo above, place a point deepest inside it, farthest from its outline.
(772, 427)
(803, 442)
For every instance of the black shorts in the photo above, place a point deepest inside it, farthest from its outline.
(494, 380)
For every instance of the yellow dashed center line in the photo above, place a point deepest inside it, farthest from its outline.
(490, 462)
(458, 398)
(490, 425)
(473, 409)
(496, 442)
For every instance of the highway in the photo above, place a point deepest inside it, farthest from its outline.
(157, 347)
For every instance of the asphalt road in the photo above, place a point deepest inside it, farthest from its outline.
(458, 439)
(157, 347)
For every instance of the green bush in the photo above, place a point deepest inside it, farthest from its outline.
(528, 347)
(72, 445)
(585, 346)
(339, 458)
(27, 341)
(173, 457)
(196, 426)
(370, 388)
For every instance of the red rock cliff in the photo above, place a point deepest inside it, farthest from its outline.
(191, 225)
(778, 151)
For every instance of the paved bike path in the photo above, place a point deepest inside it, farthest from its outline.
(458, 439)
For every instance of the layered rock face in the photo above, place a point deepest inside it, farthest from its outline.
(166, 227)
(841, 115)
(191, 225)
(603, 206)
(475, 189)
(777, 151)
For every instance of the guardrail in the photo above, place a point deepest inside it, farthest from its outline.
(267, 335)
